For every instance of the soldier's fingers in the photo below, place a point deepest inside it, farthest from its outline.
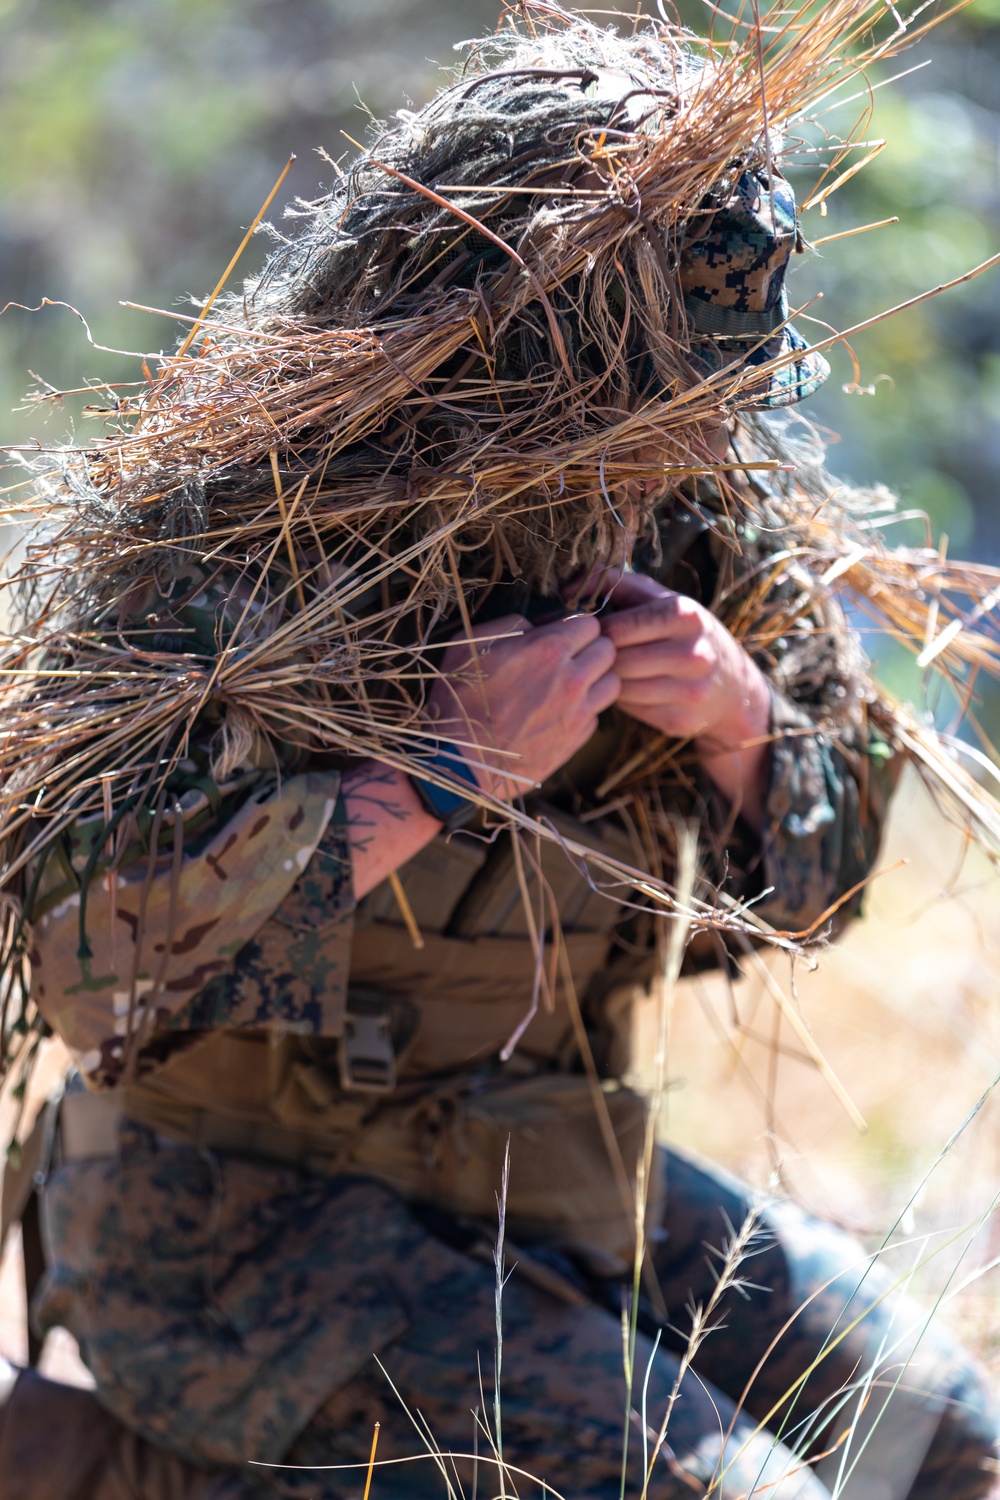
(650, 692)
(595, 659)
(630, 589)
(575, 633)
(665, 659)
(656, 620)
(603, 693)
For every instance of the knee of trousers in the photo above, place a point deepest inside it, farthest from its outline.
(58, 1443)
(817, 1303)
(922, 1417)
(744, 1462)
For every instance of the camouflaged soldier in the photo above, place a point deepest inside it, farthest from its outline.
(269, 1215)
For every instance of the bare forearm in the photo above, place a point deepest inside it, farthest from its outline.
(387, 821)
(736, 753)
(532, 701)
(741, 777)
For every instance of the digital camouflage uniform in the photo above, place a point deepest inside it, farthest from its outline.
(264, 1229)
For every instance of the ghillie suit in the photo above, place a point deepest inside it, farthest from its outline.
(434, 390)
(564, 274)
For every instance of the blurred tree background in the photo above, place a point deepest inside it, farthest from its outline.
(140, 138)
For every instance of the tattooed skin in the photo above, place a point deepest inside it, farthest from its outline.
(387, 823)
(370, 794)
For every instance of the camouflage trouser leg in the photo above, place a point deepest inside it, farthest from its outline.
(562, 1404)
(231, 1311)
(809, 1284)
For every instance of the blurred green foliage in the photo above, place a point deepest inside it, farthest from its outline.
(140, 138)
(923, 414)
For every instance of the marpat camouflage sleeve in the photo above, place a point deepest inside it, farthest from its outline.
(831, 774)
(825, 813)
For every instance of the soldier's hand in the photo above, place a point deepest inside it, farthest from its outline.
(683, 673)
(526, 697)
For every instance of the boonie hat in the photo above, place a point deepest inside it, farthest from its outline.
(732, 276)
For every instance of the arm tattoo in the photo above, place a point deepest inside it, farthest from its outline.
(368, 787)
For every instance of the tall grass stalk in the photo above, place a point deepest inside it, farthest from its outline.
(676, 945)
(501, 1277)
(736, 1249)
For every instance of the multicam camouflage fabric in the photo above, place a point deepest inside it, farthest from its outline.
(131, 961)
(142, 938)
